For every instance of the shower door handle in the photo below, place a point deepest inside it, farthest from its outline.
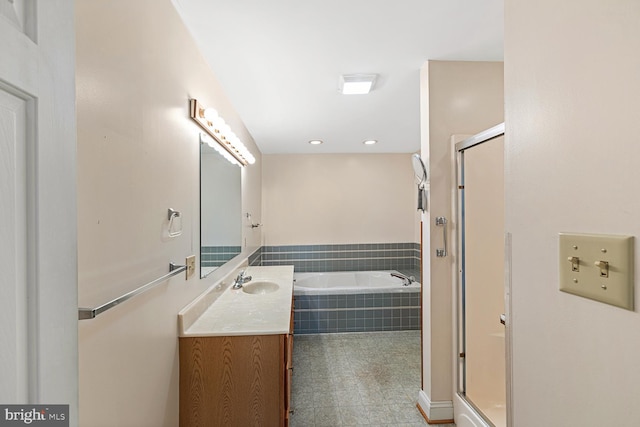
(503, 319)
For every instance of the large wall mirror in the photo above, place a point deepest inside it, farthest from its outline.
(220, 210)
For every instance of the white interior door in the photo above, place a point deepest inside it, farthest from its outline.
(13, 249)
(38, 289)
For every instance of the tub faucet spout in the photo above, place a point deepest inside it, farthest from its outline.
(406, 280)
(240, 280)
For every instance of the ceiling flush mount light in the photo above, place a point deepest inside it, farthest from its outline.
(370, 142)
(315, 142)
(215, 126)
(356, 84)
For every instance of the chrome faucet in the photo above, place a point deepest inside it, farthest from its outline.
(406, 280)
(240, 280)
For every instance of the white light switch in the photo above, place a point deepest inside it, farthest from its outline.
(597, 266)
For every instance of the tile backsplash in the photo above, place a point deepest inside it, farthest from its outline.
(344, 257)
(215, 256)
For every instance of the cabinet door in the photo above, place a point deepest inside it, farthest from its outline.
(232, 381)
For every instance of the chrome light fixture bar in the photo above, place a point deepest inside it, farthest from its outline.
(215, 126)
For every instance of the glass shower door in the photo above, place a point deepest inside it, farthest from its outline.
(482, 280)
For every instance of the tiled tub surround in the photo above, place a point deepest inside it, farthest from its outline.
(255, 259)
(362, 311)
(215, 256)
(337, 304)
(345, 257)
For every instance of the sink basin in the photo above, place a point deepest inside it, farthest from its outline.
(260, 288)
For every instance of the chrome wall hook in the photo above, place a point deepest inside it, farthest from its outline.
(251, 223)
(172, 213)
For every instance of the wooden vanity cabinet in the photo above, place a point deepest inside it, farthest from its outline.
(236, 380)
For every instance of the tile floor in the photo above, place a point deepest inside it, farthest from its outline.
(351, 379)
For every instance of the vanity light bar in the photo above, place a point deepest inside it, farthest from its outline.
(215, 126)
(206, 139)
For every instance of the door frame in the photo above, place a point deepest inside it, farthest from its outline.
(462, 407)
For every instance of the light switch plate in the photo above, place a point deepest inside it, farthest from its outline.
(604, 267)
(190, 262)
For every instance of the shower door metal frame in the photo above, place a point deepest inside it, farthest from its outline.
(460, 277)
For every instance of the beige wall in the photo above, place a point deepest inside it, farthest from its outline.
(456, 98)
(138, 155)
(339, 198)
(572, 102)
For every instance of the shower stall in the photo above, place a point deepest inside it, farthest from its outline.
(481, 379)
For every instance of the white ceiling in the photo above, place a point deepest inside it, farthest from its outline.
(279, 62)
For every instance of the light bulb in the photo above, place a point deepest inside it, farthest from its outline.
(225, 130)
(210, 114)
(217, 123)
(232, 138)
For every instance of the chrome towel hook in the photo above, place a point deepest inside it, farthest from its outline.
(172, 214)
(253, 225)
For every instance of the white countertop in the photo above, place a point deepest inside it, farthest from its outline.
(235, 312)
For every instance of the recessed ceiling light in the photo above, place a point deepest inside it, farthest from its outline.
(369, 142)
(315, 142)
(356, 84)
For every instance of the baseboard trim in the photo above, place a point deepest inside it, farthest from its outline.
(435, 412)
